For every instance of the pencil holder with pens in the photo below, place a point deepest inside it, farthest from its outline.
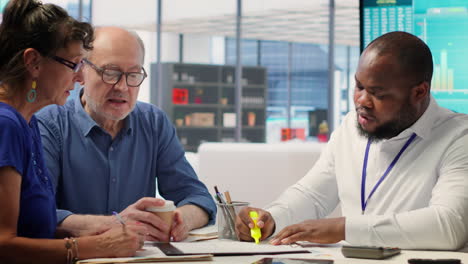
(226, 219)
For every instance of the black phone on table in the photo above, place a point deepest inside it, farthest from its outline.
(292, 261)
(434, 261)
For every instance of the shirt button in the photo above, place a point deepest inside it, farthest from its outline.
(111, 148)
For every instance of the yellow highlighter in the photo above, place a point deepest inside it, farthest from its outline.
(256, 232)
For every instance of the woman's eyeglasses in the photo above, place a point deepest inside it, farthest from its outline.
(74, 66)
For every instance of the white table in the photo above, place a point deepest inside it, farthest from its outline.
(339, 258)
(325, 252)
(334, 252)
(401, 258)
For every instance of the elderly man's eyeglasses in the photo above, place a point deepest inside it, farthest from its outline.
(111, 76)
(74, 66)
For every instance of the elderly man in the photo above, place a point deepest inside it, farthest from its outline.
(105, 150)
(398, 164)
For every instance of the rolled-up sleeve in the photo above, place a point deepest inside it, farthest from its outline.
(177, 180)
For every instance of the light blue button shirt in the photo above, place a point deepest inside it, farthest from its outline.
(95, 174)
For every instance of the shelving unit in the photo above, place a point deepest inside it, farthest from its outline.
(203, 108)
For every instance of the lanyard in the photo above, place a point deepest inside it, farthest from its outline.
(390, 167)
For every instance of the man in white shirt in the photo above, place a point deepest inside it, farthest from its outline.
(398, 164)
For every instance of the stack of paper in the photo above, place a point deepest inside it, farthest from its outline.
(147, 259)
(148, 254)
(226, 248)
(201, 234)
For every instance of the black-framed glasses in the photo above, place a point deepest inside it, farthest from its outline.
(74, 66)
(112, 76)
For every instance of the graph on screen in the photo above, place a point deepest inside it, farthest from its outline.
(443, 25)
(2, 6)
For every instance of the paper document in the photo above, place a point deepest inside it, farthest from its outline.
(211, 230)
(227, 248)
(204, 233)
(149, 254)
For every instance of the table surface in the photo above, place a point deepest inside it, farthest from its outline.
(334, 252)
(339, 258)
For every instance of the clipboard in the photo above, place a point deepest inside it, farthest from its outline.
(223, 248)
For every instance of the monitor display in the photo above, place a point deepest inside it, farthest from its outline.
(2, 6)
(443, 25)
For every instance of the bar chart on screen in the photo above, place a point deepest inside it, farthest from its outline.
(443, 25)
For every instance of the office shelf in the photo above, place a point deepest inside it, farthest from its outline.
(196, 127)
(196, 105)
(208, 96)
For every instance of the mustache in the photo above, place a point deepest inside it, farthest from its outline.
(117, 96)
(363, 111)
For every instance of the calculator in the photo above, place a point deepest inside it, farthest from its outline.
(369, 252)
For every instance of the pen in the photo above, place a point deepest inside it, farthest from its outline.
(119, 218)
(220, 196)
(228, 214)
(228, 197)
(229, 201)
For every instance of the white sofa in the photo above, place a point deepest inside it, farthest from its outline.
(255, 172)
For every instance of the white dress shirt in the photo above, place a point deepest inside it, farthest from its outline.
(421, 204)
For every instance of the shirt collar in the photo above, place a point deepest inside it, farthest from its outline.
(422, 126)
(86, 123)
(128, 127)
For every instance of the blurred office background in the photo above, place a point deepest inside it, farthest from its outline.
(287, 38)
(287, 41)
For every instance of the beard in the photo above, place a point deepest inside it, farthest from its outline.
(404, 119)
(93, 105)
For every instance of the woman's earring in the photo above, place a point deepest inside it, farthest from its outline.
(31, 96)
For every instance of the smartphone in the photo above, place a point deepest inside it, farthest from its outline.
(434, 261)
(292, 261)
(369, 252)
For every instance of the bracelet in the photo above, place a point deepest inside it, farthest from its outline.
(72, 250)
(69, 246)
(75, 246)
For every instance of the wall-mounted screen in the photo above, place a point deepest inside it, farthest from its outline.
(2, 6)
(443, 25)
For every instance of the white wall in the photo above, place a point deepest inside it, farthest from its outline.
(218, 51)
(197, 49)
(182, 9)
(169, 53)
(124, 13)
